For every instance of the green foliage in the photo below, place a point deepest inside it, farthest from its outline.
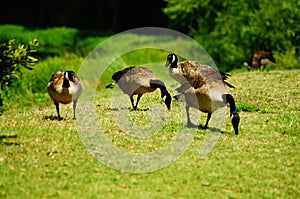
(12, 57)
(52, 41)
(288, 59)
(233, 30)
(89, 43)
(184, 17)
(19, 33)
(55, 40)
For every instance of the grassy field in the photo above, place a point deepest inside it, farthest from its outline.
(41, 157)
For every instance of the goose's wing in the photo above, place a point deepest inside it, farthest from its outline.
(190, 71)
(133, 79)
(198, 74)
(117, 75)
(265, 55)
(56, 80)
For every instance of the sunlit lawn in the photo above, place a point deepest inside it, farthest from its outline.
(41, 157)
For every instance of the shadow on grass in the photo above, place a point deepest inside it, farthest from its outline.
(211, 129)
(5, 139)
(130, 109)
(51, 117)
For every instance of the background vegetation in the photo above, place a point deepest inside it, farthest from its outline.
(232, 31)
(65, 48)
(12, 58)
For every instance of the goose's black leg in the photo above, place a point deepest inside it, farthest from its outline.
(132, 102)
(189, 122)
(57, 109)
(74, 109)
(137, 100)
(207, 120)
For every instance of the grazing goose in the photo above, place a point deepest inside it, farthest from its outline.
(260, 58)
(137, 80)
(203, 88)
(64, 87)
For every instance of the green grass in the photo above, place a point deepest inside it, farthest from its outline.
(55, 40)
(45, 158)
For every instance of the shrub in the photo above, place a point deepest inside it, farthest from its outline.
(12, 57)
(233, 30)
(54, 41)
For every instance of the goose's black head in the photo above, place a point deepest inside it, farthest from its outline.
(172, 61)
(70, 75)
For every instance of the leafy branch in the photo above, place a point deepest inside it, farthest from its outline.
(12, 58)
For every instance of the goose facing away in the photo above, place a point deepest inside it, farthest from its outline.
(64, 87)
(138, 80)
(260, 58)
(203, 88)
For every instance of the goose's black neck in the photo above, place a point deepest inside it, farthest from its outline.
(174, 64)
(229, 99)
(66, 83)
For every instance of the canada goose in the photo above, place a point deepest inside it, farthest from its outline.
(203, 88)
(260, 58)
(137, 80)
(64, 87)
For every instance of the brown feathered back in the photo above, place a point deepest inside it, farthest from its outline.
(138, 80)
(134, 80)
(198, 74)
(261, 58)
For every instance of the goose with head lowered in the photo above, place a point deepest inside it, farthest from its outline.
(64, 87)
(203, 88)
(138, 80)
(260, 59)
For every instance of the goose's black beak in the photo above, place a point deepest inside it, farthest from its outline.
(167, 63)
